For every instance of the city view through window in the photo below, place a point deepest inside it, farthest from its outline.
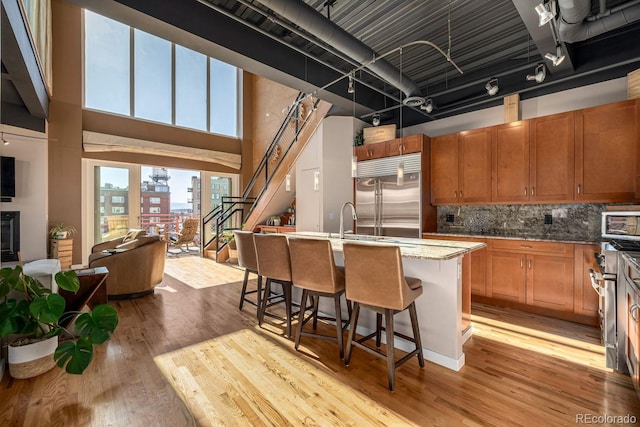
(167, 198)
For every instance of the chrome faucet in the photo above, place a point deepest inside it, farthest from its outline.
(353, 213)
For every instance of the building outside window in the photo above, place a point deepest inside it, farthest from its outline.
(117, 199)
(154, 200)
(154, 210)
(117, 209)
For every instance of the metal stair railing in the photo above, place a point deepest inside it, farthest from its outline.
(233, 211)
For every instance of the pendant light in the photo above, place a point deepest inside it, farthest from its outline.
(400, 171)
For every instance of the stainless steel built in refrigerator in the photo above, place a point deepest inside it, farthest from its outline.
(385, 208)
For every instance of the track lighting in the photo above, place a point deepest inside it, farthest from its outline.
(351, 89)
(557, 58)
(428, 106)
(376, 120)
(544, 14)
(539, 76)
(492, 86)
(4, 141)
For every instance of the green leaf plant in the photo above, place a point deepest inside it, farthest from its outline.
(41, 314)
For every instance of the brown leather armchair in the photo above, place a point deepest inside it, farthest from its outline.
(135, 267)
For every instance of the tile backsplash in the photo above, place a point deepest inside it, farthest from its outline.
(568, 222)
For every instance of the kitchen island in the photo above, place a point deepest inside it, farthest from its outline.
(438, 263)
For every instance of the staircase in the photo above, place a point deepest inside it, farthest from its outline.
(245, 212)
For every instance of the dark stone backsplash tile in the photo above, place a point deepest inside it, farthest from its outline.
(570, 222)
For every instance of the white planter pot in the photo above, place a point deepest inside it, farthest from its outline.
(27, 361)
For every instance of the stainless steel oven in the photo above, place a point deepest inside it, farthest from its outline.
(622, 229)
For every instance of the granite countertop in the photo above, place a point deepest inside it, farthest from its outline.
(441, 250)
(529, 238)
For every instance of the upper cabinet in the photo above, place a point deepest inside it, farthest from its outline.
(510, 156)
(394, 147)
(589, 155)
(461, 167)
(551, 158)
(607, 152)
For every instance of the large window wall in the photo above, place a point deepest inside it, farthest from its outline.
(133, 73)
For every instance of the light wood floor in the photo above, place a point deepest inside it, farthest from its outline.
(186, 356)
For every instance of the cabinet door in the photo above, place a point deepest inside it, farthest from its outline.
(551, 157)
(506, 276)
(510, 158)
(444, 169)
(606, 152)
(307, 202)
(394, 147)
(478, 272)
(475, 165)
(585, 299)
(370, 151)
(550, 282)
(412, 144)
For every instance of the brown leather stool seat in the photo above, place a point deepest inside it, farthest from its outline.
(374, 279)
(274, 263)
(314, 271)
(247, 259)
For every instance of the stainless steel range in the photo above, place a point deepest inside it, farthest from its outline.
(623, 230)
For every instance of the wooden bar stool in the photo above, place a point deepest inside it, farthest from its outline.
(274, 263)
(314, 271)
(374, 278)
(247, 259)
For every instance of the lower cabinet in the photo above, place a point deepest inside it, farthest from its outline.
(539, 274)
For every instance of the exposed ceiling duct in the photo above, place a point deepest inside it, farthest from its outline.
(307, 18)
(573, 25)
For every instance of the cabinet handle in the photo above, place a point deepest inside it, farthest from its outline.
(533, 191)
(579, 189)
(530, 264)
(526, 246)
(455, 194)
(460, 193)
(521, 263)
(525, 191)
(633, 311)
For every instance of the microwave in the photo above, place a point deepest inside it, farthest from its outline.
(621, 225)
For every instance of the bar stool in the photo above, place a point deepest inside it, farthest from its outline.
(247, 259)
(314, 271)
(274, 263)
(374, 279)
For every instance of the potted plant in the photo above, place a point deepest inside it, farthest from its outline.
(230, 238)
(38, 316)
(61, 231)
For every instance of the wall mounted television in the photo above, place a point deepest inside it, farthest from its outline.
(7, 176)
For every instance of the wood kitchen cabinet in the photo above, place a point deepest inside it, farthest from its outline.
(510, 163)
(607, 152)
(537, 274)
(585, 300)
(551, 158)
(461, 167)
(370, 151)
(406, 145)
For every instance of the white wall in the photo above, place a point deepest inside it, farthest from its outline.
(568, 100)
(31, 189)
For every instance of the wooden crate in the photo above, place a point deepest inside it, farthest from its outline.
(62, 249)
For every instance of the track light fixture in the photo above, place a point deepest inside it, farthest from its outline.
(376, 120)
(4, 141)
(539, 76)
(351, 89)
(544, 14)
(492, 86)
(428, 106)
(557, 58)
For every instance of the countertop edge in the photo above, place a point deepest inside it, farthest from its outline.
(530, 239)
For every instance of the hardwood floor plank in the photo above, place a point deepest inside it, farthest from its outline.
(186, 356)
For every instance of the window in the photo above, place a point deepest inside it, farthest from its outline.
(117, 199)
(101, 199)
(154, 200)
(107, 65)
(154, 210)
(141, 210)
(117, 209)
(152, 77)
(191, 89)
(101, 209)
(131, 72)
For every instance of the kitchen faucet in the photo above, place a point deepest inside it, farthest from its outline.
(353, 212)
